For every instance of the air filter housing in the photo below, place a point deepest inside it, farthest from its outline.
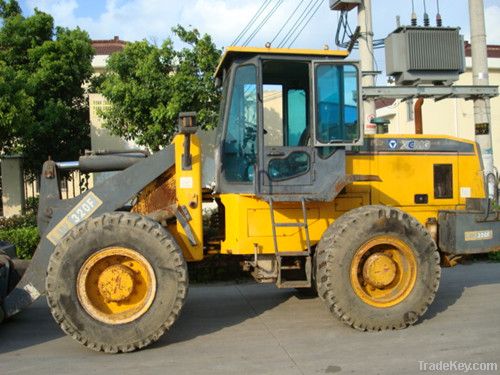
(423, 55)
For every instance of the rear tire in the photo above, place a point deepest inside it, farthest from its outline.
(82, 277)
(377, 268)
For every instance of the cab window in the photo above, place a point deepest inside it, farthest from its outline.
(285, 101)
(336, 103)
(239, 147)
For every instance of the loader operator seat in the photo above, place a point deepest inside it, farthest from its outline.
(305, 137)
(240, 165)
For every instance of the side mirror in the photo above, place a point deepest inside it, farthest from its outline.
(187, 123)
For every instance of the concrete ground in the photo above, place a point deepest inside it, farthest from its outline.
(259, 329)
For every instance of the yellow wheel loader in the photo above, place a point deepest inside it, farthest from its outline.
(302, 196)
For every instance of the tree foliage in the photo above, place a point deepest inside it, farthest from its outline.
(148, 85)
(9, 9)
(43, 111)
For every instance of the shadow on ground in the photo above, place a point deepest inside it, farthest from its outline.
(453, 284)
(211, 308)
(208, 309)
(31, 327)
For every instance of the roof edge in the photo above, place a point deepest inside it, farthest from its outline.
(276, 51)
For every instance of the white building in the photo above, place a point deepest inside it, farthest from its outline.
(100, 137)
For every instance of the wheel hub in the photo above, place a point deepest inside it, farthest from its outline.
(116, 283)
(383, 271)
(379, 270)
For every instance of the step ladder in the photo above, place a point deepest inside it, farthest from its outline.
(281, 282)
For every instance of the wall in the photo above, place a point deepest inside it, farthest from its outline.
(12, 186)
(100, 137)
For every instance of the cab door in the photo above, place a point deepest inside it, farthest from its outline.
(287, 158)
(309, 114)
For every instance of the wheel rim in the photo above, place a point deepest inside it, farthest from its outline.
(383, 271)
(116, 285)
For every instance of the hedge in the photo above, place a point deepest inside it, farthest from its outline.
(495, 256)
(18, 221)
(25, 238)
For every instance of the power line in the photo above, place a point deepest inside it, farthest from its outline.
(296, 25)
(286, 22)
(264, 21)
(252, 20)
(344, 34)
(318, 5)
(344, 28)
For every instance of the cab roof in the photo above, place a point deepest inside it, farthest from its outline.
(232, 53)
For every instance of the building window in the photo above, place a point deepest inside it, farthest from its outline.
(98, 106)
(409, 110)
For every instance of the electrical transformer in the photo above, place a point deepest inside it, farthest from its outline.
(424, 55)
(344, 4)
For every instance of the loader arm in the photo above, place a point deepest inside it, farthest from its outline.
(108, 196)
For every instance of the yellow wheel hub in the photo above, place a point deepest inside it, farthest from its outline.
(383, 271)
(379, 270)
(116, 285)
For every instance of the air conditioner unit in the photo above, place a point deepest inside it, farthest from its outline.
(425, 55)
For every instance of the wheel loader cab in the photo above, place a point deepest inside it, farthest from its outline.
(284, 121)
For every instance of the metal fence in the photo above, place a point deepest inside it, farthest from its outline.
(70, 186)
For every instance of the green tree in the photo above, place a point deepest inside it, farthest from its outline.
(43, 69)
(9, 9)
(148, 86)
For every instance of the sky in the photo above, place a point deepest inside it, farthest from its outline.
(224, 19)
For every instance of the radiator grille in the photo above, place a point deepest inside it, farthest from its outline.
(431, 50)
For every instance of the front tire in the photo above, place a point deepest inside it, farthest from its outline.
(116, 283)
(377, 268)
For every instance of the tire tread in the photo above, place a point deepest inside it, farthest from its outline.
(124, 219)
(332, 240)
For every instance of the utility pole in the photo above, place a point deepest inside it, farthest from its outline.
(367, 60)
(482, 114)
